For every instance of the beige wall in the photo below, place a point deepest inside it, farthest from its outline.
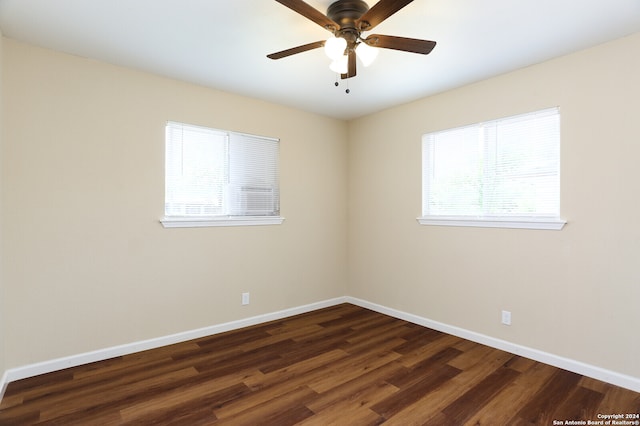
(573, 292)
(2, 297)
(87, 265)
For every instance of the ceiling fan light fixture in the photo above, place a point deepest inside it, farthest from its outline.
(340, 65)
(346, 20)
(366, 53)
(334, 47)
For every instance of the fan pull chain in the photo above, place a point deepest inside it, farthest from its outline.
(347, 91)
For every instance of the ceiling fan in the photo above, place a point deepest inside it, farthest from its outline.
(347, 20)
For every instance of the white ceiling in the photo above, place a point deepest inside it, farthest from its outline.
(223, 43)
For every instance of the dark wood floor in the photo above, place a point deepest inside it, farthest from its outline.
(343, 365)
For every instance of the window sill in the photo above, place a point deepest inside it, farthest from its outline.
(554, 224)
(196, 222)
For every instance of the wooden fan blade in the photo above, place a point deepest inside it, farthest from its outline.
(405, 44)
(294, 50)
(351, 67)
(379, 12)
(310, 13)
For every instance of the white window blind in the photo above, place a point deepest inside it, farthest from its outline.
(498, 170)
(214, 173)
(195, 172)
(253, 175)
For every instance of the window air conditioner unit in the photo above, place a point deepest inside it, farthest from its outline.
(253, 201)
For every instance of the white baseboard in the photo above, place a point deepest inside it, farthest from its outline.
(31, 370)
(625, 381)
(3, 384)
(618, 379)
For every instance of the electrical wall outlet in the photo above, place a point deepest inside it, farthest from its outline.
(506, 317)
(245, 298)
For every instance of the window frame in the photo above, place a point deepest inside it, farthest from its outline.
(535, 221)
(194, 221)
(200, 222)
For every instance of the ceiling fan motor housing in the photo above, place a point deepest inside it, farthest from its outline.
(345, 12)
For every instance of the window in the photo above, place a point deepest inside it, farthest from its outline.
(214, 177)
(501, 173)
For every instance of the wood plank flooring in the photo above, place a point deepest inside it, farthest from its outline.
(343, 365)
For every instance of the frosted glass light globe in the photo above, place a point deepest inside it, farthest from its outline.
(334, 47)
(340, 65)
(366, 53)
